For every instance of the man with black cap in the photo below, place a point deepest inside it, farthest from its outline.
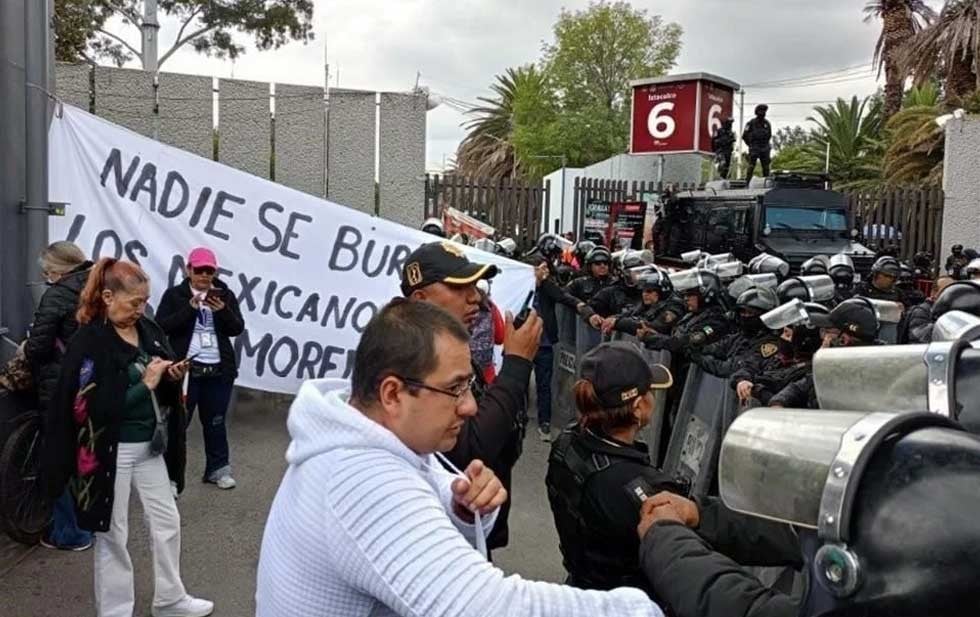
(956, 261)
(440, 273)
(599, 473)
(857, 325)
(757, 136)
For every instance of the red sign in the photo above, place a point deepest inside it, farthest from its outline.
(679, 114)
(717, 104)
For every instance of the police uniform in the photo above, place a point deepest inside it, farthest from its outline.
(867, 290)
(615, 299)
(584, 288)
(916, 324)
(596, 483)
(736, 351)
(661, 316)
(694, 330)
(757, 136)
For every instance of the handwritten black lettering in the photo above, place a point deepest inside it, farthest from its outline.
(114, 164)
(174, 179)
(218, 210)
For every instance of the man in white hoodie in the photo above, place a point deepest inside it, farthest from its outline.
(367, 522)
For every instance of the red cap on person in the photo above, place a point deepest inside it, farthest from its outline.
(202, 257)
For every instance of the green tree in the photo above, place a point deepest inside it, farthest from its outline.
(900, 21)
(797, 157)
(950, 48)
(790, 136)
(595, 54)
(208, 26)
(852, 129)
(520, 113)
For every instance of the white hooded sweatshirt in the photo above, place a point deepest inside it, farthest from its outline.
(362, 526)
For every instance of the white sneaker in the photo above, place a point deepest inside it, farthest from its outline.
(188, 606)
(226, 482)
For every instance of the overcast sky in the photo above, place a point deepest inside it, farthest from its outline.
(460, 45)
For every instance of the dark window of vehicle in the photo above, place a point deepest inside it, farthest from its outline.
(806, 219)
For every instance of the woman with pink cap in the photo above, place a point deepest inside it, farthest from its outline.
(200, 317)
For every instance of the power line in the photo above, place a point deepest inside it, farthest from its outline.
(815, 78)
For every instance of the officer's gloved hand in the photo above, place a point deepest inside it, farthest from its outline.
(585, 311)
(656, 340)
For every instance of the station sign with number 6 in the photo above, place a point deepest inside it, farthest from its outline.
(679, 114)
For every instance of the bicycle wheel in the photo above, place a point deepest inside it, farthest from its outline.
(23, 506)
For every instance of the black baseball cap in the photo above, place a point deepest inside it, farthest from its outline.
(620, 374)
(441, 262)
(856, 317)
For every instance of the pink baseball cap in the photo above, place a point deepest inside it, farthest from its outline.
(202, 257)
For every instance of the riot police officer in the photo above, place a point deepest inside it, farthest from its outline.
(908, 515)
(765, 263)
(751, 343)
(722, 144)
(434, 226)
(597, 265)
(818, 288)
(959, 296)
(758, 380)
(659, 309)
(972, 269)
(906, 286)
(956, 262)
(882, 283)
(705, 321)
(623, 294)
(757, 136)
(599, 473)
(841, 269)
(581, 252)
(916, 325)
(854, 323)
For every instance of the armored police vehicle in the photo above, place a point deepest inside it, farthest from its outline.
(790, 215)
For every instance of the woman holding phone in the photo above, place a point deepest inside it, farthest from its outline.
(201, 316)
(117, 427)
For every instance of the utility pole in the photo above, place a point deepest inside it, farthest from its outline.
(741, 127)
(35, 208)
(150, 29)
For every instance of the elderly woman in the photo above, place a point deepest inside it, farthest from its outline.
(65, 270)
(118, 427)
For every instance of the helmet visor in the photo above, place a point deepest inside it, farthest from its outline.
(789, 314)
(820, 286)
(686, 280)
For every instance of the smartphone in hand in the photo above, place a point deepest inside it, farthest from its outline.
(213, 293)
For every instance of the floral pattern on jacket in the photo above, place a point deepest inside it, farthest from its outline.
(86, 462)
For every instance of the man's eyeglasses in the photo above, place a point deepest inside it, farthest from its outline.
(458, 393)
(204, 271)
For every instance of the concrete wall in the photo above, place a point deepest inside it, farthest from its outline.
(125, 97)
(678, 168)
(961, 182)
(73, 84)
(187, 113)
(350, 149)
(245, 125)
(561, 206)
(402, 158)
(300, 151)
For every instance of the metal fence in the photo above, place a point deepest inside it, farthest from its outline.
(598, 189)
(513, 207)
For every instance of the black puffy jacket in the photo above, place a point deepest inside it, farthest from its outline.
(701, 574)
(54, 324)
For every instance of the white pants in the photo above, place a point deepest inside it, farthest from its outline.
(114, 594)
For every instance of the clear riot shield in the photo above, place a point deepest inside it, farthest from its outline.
(586, 337)
(564, 373)
(708, 405)
(889, 314)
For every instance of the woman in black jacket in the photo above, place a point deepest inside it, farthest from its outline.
(201, 316)
(65, 269)
(117, 427)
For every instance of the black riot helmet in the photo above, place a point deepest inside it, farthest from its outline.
(906, 276)
(959, 296)
(811, 288)
(972, 269)
(582, 250)
(550, 246)
(758, 299)
(760, 110)
(885, 511)
(769, 264)
(633, 259)
(710, 289)
(657, 280)
(841, 269)
(819, 264)
(957, 249)
(564, 274)
(598, 255)
(434, 226)
(888, 266)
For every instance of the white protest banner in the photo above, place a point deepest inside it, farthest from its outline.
(309, 274)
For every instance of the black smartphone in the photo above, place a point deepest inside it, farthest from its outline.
(214, 292)
(188, 359)
(525, 311)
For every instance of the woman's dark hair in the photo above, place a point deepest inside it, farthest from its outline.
(400, 340)
(111, 274)
(592, 415)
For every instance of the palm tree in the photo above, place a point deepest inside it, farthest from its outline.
(916, 145)
(488, 150)
(901, 19)
(950, 47)
(851, 130)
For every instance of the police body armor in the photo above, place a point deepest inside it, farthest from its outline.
(591, 561)
(584, 288)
